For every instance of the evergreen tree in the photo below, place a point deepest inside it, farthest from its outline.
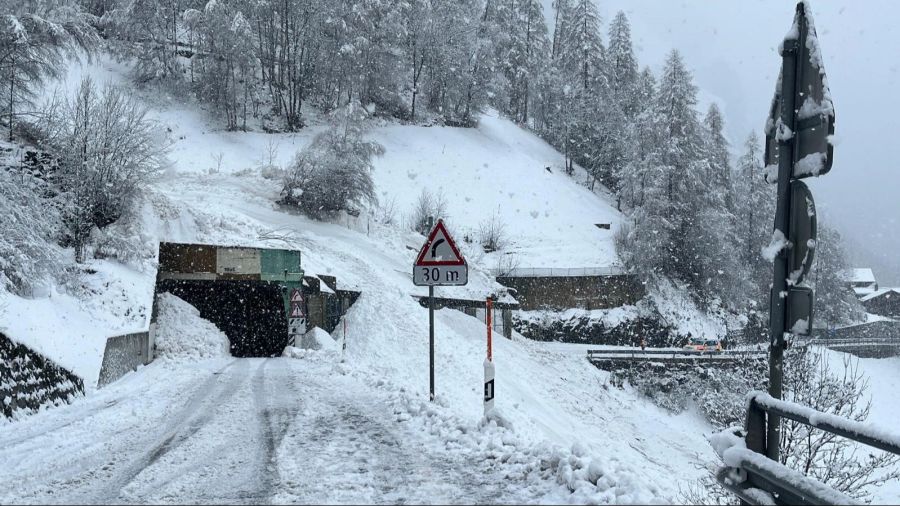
(719, 164)
(754, 202)
(645, 141)
(622, 68)
(522, 49)
(684, 161)
(835, 303)
(580, 50)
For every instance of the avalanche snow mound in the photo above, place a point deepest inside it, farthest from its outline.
(318, 339)
(184, 335)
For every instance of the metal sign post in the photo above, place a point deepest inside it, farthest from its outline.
(439, 263)
(798, 142)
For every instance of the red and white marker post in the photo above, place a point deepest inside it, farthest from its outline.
(489, 361)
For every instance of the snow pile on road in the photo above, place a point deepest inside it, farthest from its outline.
(183, 335)
(584, 478)
(318, 339)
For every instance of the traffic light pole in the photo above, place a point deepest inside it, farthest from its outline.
(777, 312)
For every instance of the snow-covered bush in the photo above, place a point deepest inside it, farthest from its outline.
(334, 173)
(183, 335)
(492, 233)
(718, 393)
(28, 225)
(107, 150)
(428, 206)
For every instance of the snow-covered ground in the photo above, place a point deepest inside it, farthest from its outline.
(883, 375)
(150, 435)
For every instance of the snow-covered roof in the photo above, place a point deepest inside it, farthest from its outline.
(878, 293)
(864, 291)
(860, 275)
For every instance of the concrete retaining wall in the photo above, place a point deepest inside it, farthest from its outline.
(564, 292)
(30, 381)
(124, 354)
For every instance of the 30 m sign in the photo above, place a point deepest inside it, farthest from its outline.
(439, 261)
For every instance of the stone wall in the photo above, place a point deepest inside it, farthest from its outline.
(883, 329)
(29, 381)
(584, 292)
(559, 326)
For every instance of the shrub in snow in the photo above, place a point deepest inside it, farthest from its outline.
(335, 172)
(492, 233)
(108, 150)
(428, 206)
(183, 335)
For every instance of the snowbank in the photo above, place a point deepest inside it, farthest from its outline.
(318, 339)
(183, 335)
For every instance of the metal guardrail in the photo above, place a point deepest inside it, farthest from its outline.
(671, 354)
(553, 272)
(757, 480)
(889, 341)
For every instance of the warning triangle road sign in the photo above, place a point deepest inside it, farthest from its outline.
(296, 296)
(439, 249)
(296, 311)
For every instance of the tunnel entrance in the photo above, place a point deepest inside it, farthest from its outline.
(250, 313)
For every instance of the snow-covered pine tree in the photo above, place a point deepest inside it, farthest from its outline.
(580, 52)
(726, 275)
(644, 152)
(362, 42)
(719, 157)
(621, 66)
(836, 304)
(754, 202)
(522, 51)
(683, 157)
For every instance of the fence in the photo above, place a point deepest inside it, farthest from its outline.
(755, 479)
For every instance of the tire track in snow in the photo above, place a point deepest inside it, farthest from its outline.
(277, 403)
(192, 416)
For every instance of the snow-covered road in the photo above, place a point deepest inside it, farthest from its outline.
(244, 431)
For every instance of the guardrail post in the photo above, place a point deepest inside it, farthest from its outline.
(756, 427)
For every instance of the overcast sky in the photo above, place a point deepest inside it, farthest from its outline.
(731, 47)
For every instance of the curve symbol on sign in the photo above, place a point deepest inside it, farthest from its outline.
(434, 247)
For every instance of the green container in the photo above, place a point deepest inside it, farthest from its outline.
(280, 265)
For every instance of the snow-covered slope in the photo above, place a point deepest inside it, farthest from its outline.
(547, 396)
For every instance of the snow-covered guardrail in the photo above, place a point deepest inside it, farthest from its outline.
(755, 479)
(671, 354)
(555, 272)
